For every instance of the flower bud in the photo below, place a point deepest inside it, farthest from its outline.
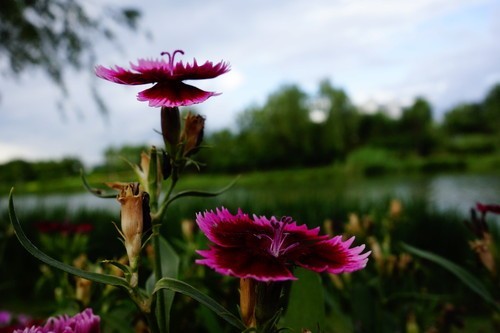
(83, 290)
(192, 135)
(134, 214)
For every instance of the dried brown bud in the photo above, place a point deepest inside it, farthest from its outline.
(134, 211)
(192, 135)
(484, 250)
(395, 208)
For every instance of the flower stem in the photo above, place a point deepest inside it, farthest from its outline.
(160, 308)
(160, 298)
(152, 323)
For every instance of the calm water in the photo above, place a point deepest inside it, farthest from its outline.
(455, 192)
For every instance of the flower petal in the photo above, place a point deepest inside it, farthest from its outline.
(242, 263)
(195, 72)
(331, 255)
(228, 230)
(123, 76)
(174, 93)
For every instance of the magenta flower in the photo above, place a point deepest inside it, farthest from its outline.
(265, 249)
(169, 90)
(488, 208)
(83, 322)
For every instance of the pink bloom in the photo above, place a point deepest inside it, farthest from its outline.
(169, 90)
(485, 208)
(83, 322)
(265, 249)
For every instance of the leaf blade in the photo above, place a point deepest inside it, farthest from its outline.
(186, 289)
(34, 251)
(465, 276)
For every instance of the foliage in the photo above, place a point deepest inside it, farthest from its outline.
(19, 170)
(54, 35)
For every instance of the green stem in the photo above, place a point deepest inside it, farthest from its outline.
(160, 309)
(153, 324)
(160, 298)
(158, 214)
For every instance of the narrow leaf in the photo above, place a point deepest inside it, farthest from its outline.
(195, 193)
(466, 277)
(96, 191)
(186, 289)
(34, 251)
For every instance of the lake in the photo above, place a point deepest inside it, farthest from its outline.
(457, 192)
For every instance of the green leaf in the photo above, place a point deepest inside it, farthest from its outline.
(34, 251)
(96, 191)
(186, 289)
(306, 307)
(169, 268)
(124, 268)
(195, 193)
(466, 277)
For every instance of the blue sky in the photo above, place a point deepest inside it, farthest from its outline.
(379, 51)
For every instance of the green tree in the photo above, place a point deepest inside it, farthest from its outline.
(465, 118)
(491, 107)
(118, 159)
(379, 130)
(17, 170)
(339, 133)
(278, 134)
(416, 127)
(55, 35)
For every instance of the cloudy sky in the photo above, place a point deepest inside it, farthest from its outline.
(379, 51)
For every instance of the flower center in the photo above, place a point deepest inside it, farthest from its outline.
(278, 240)
(171, 58)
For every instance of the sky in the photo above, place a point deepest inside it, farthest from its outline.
(381, 52)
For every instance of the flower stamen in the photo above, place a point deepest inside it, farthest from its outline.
(171, 58)
(276, 248)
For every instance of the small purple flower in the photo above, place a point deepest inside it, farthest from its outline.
(83, 322)
(265, 249)
(169, 90)
(5, 318)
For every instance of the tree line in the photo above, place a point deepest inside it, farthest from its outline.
(282, 133)
(292, 129)
(20, 170)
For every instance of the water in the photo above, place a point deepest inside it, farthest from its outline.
(458, 192)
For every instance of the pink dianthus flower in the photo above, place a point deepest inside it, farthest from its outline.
(169, 90)
(83, 322)
(266, 249)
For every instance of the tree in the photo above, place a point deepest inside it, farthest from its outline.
(491, 107)
(54, 35)
(465, 118)
(340, 130)
(279, 132)
(416, 127)
(379, 130)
